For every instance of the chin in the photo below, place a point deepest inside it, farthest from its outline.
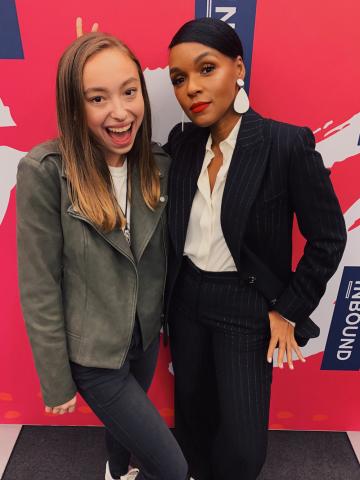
(202, 122)
(124, 150)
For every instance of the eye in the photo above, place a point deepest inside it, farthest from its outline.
(207, 68)
(131, 92)
(176, 81)
(97, 99)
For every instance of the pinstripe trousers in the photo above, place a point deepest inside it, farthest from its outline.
(219, 335)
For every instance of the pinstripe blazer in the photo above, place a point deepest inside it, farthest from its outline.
(275, 173)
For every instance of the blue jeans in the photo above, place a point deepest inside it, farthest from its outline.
(133, 425)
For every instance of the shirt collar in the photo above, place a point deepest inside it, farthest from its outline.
(229, 140)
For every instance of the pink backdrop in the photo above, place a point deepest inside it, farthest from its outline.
(305, 70)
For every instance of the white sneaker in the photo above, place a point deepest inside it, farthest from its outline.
(131, 475)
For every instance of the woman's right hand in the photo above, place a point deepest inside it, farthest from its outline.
(67, 407)
(79, 27)
(282, 336)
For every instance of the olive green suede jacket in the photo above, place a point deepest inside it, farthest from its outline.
(79, 286)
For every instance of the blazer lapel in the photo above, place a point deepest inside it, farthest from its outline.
(143, 220)
(244, 178)
(184, 173)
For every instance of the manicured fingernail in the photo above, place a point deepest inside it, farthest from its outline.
(269, 359)
(291, 367)
(281, 365)
(303, 360)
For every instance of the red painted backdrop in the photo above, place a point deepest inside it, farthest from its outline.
(305, 71)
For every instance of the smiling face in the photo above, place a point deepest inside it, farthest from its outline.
(113, 100)
(204, 82)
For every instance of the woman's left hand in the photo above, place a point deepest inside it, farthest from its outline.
(67, 407)
(79, 27)
(283, 336)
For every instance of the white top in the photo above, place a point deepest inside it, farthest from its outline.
(205, 244)
(119, 176)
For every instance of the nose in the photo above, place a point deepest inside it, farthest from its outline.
(193, 86)
(118, 111)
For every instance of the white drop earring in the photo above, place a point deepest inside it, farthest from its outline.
(241, 103)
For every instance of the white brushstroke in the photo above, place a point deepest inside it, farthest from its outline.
(327, 124)
(9, 159)
(323, 314)
(165, 110)
(6, 119)
(341, 142)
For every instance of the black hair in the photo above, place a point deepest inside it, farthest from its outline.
(211, 32)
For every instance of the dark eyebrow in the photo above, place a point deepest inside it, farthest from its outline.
(201, 56)
(102, 89)
(196, 60)
(95, 89)
(174, 70)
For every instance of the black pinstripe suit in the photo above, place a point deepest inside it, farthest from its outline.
(274, 173)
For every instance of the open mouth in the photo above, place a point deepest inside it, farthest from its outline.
(120, 136)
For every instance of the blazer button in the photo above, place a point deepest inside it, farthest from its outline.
(162, 199)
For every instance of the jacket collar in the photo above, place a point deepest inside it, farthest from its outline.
(251, 131)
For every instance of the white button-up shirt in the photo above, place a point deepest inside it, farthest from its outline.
(205, 244)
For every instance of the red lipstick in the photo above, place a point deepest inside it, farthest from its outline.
(199, 107)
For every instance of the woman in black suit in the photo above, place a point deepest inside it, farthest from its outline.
(236, 179)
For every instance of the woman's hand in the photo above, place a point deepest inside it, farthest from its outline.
(67, 407)
(282, 335)
(79, 27)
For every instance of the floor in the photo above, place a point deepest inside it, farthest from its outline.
(64, 453)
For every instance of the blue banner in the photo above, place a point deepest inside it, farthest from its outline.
(342, 351)
(240, 15)
(10, 38)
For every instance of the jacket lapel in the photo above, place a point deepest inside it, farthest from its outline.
(244, 178)
(184, 173)
(115, 237)
(143, 221)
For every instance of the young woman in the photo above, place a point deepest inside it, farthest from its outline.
(92, 257)
(236, 179)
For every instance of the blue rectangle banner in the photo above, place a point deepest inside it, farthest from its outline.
(10, 39)
(240, 15)
(342, 351)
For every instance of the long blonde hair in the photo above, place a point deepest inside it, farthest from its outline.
(89, 181)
